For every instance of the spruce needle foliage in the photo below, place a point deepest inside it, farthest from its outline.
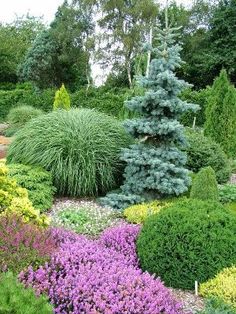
(205, 185)
(62, 99)
(80, 148)
(155, 165)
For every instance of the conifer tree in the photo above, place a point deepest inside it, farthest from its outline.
(155, 165)
(204, 185)
(221, 114)
(62, 99)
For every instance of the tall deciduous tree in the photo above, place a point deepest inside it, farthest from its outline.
(15, 39)
(221, 114)
(62, 50)
(125, 25)
(155, 166)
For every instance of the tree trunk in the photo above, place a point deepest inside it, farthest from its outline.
(149, 52)
(128, 68)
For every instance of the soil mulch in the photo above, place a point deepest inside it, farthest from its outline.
(191, 303)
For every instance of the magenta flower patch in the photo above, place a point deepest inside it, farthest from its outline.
(100, 277)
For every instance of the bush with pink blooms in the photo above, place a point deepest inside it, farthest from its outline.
(23, 244)
(100, 277)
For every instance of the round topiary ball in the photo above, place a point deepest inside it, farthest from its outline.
(79, 147)
(190, 240)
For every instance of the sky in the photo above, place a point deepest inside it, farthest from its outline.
(46, 8)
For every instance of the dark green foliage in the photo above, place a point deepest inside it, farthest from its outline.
(37, 181)
(79, 147)
(204, 186)
(216, 306)
(19, 116)
(221, 114)
(155, 166)
(191, 240)
(109, 101)
(197, 97)
(204, 152)
(9, 99)
(227, 193)
(15, 299)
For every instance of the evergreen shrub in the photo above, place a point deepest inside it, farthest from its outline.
(204, 152)
(38, 183)
(140, 212)
(204, 186)
(23, 244)
(221, 114)
(15, 299)
(217, 306)
(190, 240)
(14, 199)
(62, 99)
(227, 193)
(222, 286)
(79, 147)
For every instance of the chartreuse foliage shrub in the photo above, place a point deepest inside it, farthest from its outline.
(79, 147)
(15, 299)
(190, 240)
(139, 213)
(204, 152)
(217, 306)
(23, 244)
(227, 193)
(19, 116)
(222, 286)
(38, 183)
(62, 99)
(101, 276)
(14, 199)
(204, 185)
(156, 164)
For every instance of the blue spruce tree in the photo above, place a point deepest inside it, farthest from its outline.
(155, 165)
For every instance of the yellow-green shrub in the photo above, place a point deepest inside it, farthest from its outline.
(222, 286)
(138, 213)
(14, 199)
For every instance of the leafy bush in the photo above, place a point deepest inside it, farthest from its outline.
(86, 277)
(203, 152)
(14, 199)
(19, 116)
(216, 306)
(227, 193)
(86, 218)
(190, 240)
(22, 245)
(79, 147)
(109, 101)
(139, 213)
(204, 186)
(37, 182)
(9, 99)
(222, 286)
(62, 99)
(15, 299)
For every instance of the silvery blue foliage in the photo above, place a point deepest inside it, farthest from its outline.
(155, 166)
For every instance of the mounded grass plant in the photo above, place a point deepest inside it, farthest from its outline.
(190, 240)
(79, 147)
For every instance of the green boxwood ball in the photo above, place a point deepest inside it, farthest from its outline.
(80, 147)
(190, 240)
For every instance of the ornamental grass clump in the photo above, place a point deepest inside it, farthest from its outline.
(86, 277)
(80, 148)
(23, 244)
(190, 240)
